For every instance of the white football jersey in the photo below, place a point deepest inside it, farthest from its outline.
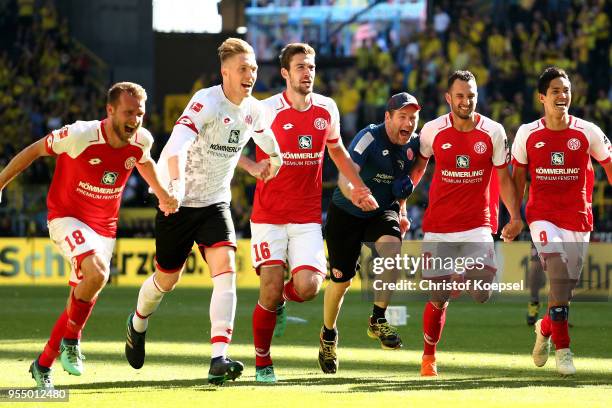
(221, 129)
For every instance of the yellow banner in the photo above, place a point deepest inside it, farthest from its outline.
(37, 261)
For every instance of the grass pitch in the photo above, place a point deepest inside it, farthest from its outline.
(483, 358)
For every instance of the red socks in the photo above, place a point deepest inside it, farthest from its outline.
(289, 292)
(52, 348)
(263, 327)
(78, 314)
(433, 323)
(557, 326)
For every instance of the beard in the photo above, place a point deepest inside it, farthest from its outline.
(461, 115)
(302, 89)
(120, 131)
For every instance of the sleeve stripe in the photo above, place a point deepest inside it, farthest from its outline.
(334, 141)
(606, 160)
(363, 144)
(517, 163)
(186, 121)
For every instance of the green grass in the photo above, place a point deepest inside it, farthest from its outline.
(484, 356)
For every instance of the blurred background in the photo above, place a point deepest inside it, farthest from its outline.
(58, 58)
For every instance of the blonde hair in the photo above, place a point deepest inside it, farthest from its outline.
(233, 46)
(115, 91)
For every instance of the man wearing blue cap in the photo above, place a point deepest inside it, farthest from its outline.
(384, 155)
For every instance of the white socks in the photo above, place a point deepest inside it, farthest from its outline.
(149, 298)
(222, 312)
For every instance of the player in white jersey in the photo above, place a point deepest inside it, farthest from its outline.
(94, 161)
(556, 151)
(287, 233)
(198, 163)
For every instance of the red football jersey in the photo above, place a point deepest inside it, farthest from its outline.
(459, 196)
(559, 164)
(90, 175)
(294, 195)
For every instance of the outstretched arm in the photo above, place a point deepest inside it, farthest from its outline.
(167, 203)
(359, 193)
(22, 161)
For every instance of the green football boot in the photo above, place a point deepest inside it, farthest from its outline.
(71, 357)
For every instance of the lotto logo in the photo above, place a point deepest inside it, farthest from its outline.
(227, 120)
(109, 178)
(305, 141)
(573, 144)
(462, 162)
(196, 107)
(95, 161)
(446, 146)
(287, 126)
(539, 145)
(557, 158)
(320, 123)
(480, 147)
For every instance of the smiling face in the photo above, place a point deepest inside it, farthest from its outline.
(400, 124)
(558, 97)
(126, 115)
(301, 73)
(239, 74)
(462, 97)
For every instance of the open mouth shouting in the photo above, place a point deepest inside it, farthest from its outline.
(130, 129)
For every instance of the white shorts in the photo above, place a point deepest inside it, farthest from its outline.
(297, 246)
(453, 253)
(76, 240)
(552, 240)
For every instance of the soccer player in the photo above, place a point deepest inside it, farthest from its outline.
(383, 156)
(556, 150)
(287, 232)
(198, 162)
(457, 223)
(94, 161)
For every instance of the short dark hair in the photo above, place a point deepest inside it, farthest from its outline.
(115, 91)
(293, 49)
(462, 75)
(547, 76)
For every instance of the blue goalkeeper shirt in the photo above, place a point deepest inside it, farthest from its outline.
(381, 162)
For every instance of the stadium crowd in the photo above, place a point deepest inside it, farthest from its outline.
(47, 79)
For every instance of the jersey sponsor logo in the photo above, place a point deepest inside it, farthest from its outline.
(557, 158)
(539, 145)
(100, 190)
(234, 136)
(248, 120)
(410, 154)
(480, 147)
(130, 162)
(196, 107)
(462, 174)
(95, 161)
(110, 178)
(385, 152)
(287, 126)
(320, 123)
(223, 148)
(446, 146)
(462, 161)
(400, 164)
(305, 141)
(571, 170)
(301, 156)
(573, 144)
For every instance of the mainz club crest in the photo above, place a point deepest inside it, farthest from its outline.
(320, 123)
(480, 147)
(130, 162)
(573, 144)
(410, 154)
